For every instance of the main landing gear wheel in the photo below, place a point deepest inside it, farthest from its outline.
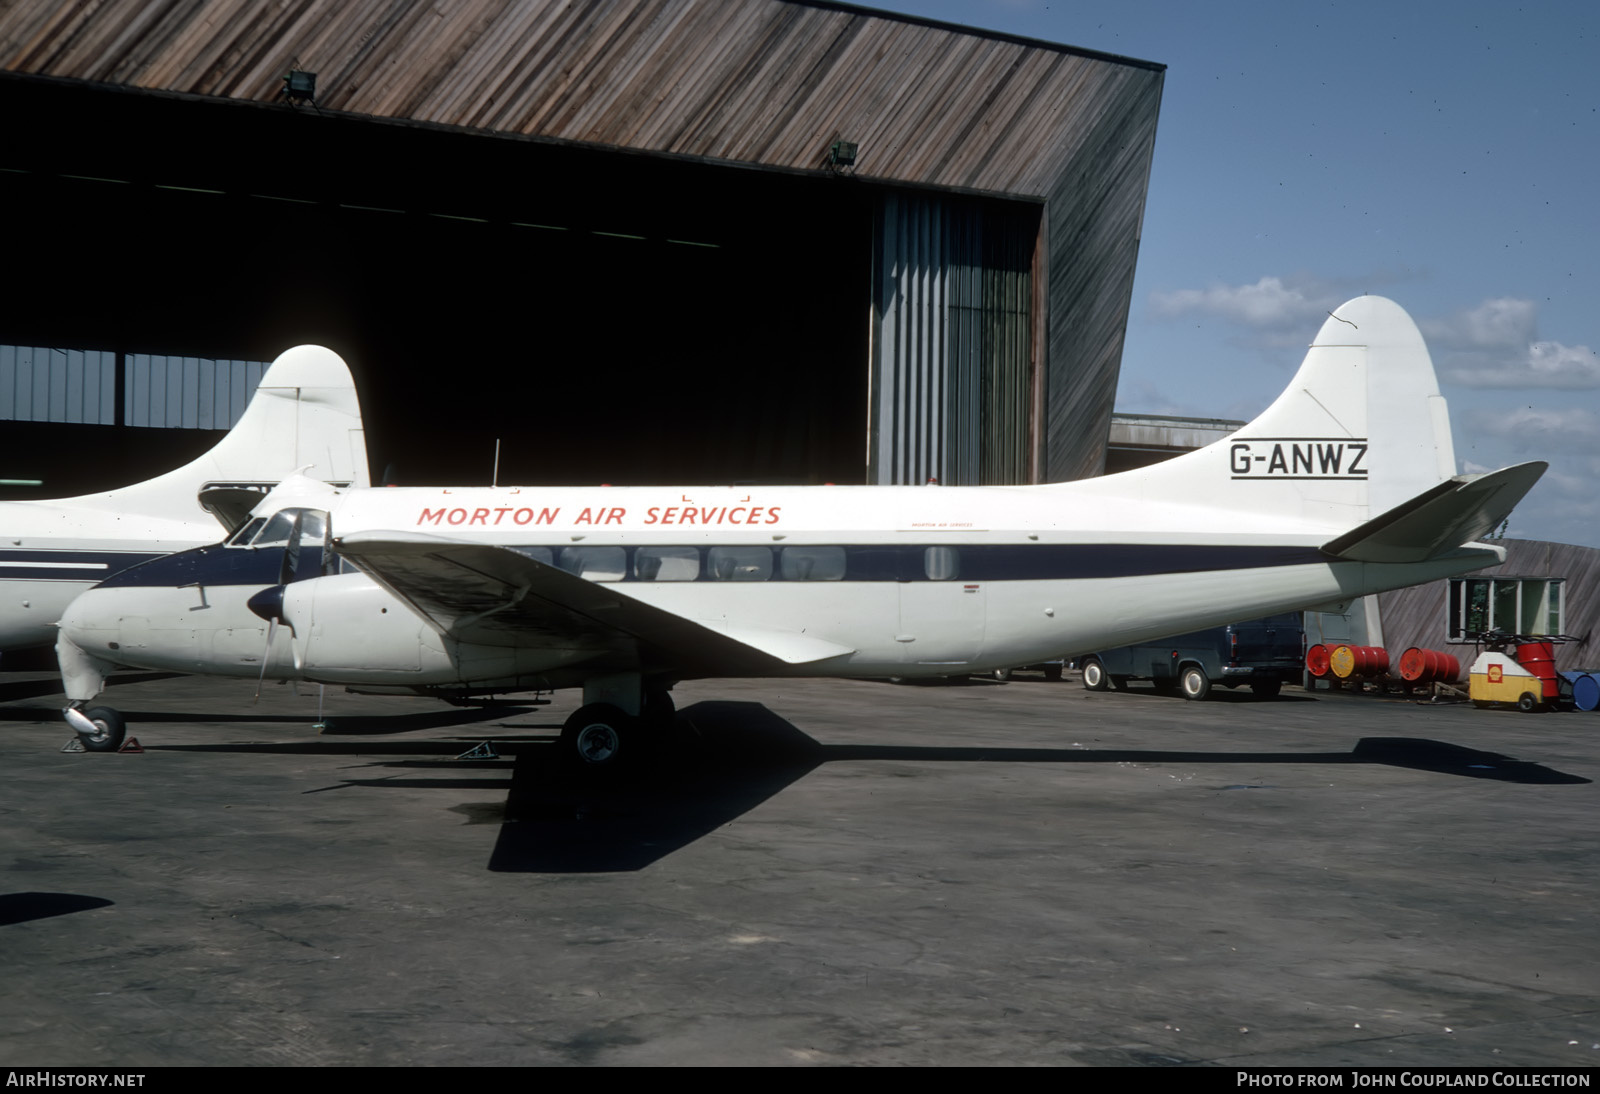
(1194, 683)
(1094, 675)
(1267, 689)
(600, 738)
(101, 729)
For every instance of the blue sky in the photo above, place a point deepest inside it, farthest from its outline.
(1446, 155)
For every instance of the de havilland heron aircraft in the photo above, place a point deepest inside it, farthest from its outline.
(1346, 485)
(303, 416)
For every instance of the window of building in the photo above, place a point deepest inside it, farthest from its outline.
(1511, 605)
(188, 392)
(79, 386)
(40, 384)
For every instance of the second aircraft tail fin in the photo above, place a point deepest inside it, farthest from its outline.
(304, 415)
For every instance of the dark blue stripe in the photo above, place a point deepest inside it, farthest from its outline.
(85, 565)
(217, 565)
(888, 562)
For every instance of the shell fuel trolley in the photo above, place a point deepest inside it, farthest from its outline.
(1517, 670)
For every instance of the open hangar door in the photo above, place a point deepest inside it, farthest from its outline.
(609, 317)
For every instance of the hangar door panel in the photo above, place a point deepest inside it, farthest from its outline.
(952, 341)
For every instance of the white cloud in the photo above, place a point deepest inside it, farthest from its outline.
(1267, 303)
(1504, 323)
(1497, 345)
(1539, 429)
(1539, 364)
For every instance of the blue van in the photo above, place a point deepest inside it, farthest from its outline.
(1264, 653)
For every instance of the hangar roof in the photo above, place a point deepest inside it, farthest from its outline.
(768, 83)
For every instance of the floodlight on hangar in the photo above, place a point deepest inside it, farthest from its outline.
(300, 85)
(842, 154)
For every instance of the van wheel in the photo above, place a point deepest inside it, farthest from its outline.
(1194, 683)
(1094, 675)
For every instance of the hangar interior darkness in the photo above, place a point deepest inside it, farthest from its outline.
(609, 316)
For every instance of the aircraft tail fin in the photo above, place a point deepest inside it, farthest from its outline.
(1360, 430)
(303, 415)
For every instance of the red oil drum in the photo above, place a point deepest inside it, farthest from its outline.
(1419, 666)
(1539, 658)
(1351, 661)
(1317, 661)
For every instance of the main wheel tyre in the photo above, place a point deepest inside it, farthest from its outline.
(1194, 683)
(109, 730)
(1094, 675)
(1052, 672)
(659, 709)
(1267, 689)
(600, 738)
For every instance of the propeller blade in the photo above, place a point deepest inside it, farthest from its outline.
(266, 654)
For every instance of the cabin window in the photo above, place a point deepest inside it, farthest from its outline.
(538, 554)
(941, 563)
(739, 563)
(812, 563)
(595, 563)
(1511, 605)
(666, 563)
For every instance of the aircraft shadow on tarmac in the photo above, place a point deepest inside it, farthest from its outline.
(25, 907)
(746, 754)
(733, 757)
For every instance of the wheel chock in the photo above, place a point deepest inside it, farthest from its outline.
(485, 751)
(74, 745)
(131, 745)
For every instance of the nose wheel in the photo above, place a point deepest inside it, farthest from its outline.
(100, 729)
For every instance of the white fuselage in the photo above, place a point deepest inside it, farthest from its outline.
(940, 580)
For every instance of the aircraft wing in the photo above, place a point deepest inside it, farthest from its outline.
(496, 596)
(1439, 520)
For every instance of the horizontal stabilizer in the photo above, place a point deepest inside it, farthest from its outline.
(1435, 522)
(497, 596)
